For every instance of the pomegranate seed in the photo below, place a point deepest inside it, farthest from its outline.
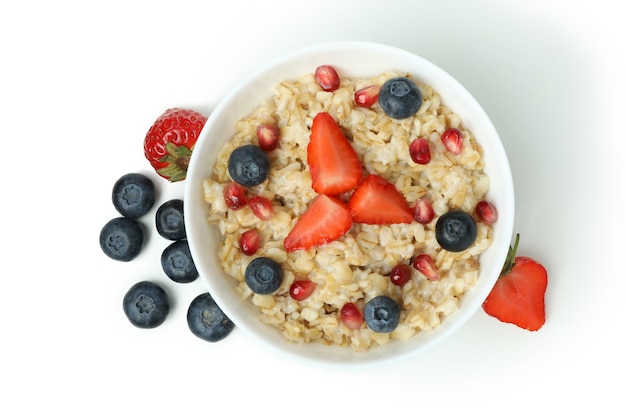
(327, 77)
(235, 196)
(453, 140)
(351, 316)
(424, 212)
(425, 264)
(419, 149)
(400, 274)
(267, 134)
(486, 212)
(367, 96)
(261, 207)
(249, 242)
(301, 289)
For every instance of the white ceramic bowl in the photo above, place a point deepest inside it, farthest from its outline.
(351, 59)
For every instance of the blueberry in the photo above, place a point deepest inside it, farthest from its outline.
(455, 231)
(177, 262)
(382, 314)
(400, 98)
(263, 275)
(121, 239)
(206, 320)
(248, 165)
(146, 305)
(170, 220)
(133, 195)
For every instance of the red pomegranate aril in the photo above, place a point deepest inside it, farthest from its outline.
(235, 196)
(351, 316)
(327, 77)
(424, 212)
(301, 289)
(261, 207)
(419, 149)
(366, 97)
(267, 135)
(400, 274)
(452, 139)
(426, 265)
(249, 242)
(486, 212)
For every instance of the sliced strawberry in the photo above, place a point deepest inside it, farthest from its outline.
(452, 139)
(327, 77)
(326, 219)
(301, 289)
(366, 97)
(518, 297)
(376, 201)
(351, 316)
(334, 165)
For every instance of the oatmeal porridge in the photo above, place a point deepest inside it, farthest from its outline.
(355, 267)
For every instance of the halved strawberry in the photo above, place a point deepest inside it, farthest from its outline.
(518, 297)
(335, 167)
(376, 201)
(326, 219)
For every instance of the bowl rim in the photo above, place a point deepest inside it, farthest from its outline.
(312, 56)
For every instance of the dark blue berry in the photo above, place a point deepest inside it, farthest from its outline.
(263, 275)
(206, 320)
(248, 165)
(400, 98)
(133, 195)
(170, 220)
(382, 314)
(122, 239)
(146, 305)
(177, 262)
(455, 231)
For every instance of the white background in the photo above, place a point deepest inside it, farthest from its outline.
(80, 84)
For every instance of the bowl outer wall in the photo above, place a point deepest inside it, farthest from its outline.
(351, 59)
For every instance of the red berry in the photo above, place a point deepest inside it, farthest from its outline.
(424, 212)
(301, 289)
(425, 264)
(419, 149)
(327, 77)
(261, 207)
(400, 274)
(486, 212)
(267, 135)
(351, 316)
(453, 140)
(235, 196)
(367, 96)
(249, 242)
(170, 141)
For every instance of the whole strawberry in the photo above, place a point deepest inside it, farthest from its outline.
(170, 141)
(518, 295)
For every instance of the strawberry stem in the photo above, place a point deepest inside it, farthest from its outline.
(510, 258)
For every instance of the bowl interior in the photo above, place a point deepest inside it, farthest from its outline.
(351, 59)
